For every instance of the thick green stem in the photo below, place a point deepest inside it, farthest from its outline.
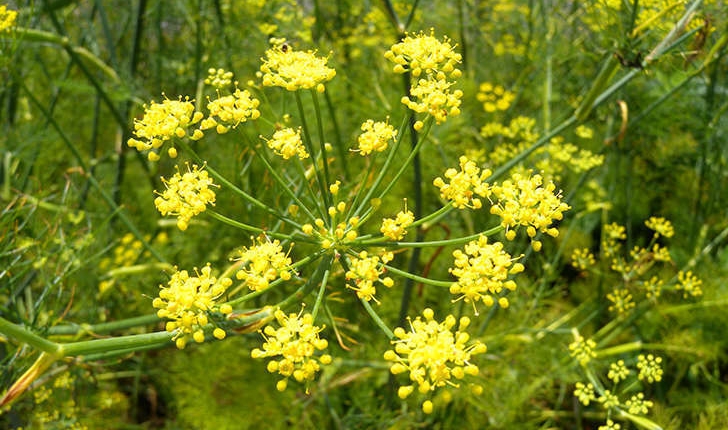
(24, 335)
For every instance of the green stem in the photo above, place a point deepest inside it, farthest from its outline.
(103, 328)
(320, 295)
(247, 227)
(433, 243)
(286, 187)
(306, 288)
(416, 278)
(26, 336)
(255, 202)
(323, 187)
(376, 319)
(322, 146)
(129, 342)
(337, 135)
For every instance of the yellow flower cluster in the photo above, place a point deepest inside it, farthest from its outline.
(340, 233)
(426, 57)
(187, 300)
(294, 70)
(618, 371)
(433, 355)
(494, 97)
(582, 259)
(584, 393)
(287, 143)
(186, 195)
(396, 228)
(610, 425)
(560, 156)
(424, 53)
(482, 271)
(7, 18)
(218, 78)
(264, 263)
(612, 236)
(365, 271)
(434, 98)
(524, 201)
(162, 122)
(638, 405)
(295, 341)
(582, 349)
(375, 136)
(689, 284)
(231, 110)
(660, 226)
(464, 185)
(621, 300)
(649, 368)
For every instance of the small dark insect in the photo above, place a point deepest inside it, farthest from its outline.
(284, 47)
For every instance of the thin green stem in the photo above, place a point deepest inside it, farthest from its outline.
(337, 135)
(286, 187)
(433, 243)
(246, 227)
(416, 278)
(320, 295)
(300, 294)
(413, 154)
(323, 186)
(103, 328)
(255, 202)
(377, 319)
(322, 145)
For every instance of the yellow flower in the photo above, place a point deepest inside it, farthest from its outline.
(420, 53)
(366, 271)
(162, 122)
(660, 226)
(689, 284)
(186, 195)
(524, 201)
(464, 185)
(582, 259)
(375, 136)
(482, 271)
(295, 341)
(287, 143)
(294, 70)
(434, 98)
(618, 371)
(187, 300)
(218, 78)
(263, 264)
(230, 111)
(650, 368)
(494, 98)
(396, 228)
(582, 349)
(7, 18)
(585, 393)
(638, 405)
(621, 300)
(432, 355)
